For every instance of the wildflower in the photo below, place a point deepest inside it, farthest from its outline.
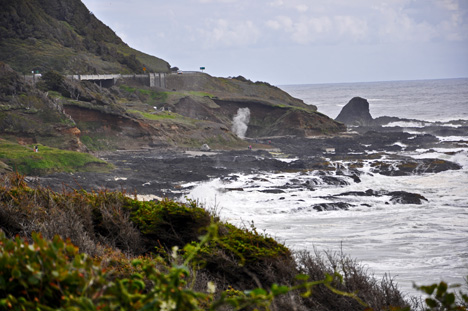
(211, 287)
(168, 305)
(174, 252)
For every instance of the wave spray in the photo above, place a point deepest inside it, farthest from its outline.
(240, 122)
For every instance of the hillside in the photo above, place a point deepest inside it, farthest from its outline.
(63, 35)
(58, 38)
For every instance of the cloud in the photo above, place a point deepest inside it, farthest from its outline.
(280, 22)
(205, 31)
(451, 5)
(217, 1)
(364, 21)
(277, 3)
(422, 21)
(302, 8)
(325, 29)
(224, 33)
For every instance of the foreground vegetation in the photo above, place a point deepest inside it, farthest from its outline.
(107, 251)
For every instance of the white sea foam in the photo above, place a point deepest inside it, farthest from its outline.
(453, 138)
(407, 124)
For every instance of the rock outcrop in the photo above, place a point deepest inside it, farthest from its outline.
(356, 113)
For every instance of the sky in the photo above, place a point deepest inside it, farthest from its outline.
(298, 41)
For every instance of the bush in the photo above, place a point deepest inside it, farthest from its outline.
(165, 224)
(88, 220)
(382, 295)
(44, 274)
(441, 299)
(243, 258)
(53, 275)
(53, 81)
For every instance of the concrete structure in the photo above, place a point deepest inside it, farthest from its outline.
(162, 80)
(108, 80)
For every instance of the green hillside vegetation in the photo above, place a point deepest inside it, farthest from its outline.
(48, 160)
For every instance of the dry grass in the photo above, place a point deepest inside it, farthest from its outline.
(88, 221)
(379, 295)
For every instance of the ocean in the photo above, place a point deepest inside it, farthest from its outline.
(420, 244)
(429, 100)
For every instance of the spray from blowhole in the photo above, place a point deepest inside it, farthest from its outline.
(240, 122)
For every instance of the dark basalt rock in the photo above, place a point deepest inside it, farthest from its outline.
(335, 181)
(406, 167)
(332, 206)
(272, 191)
(403, 197)
(356, 113)
(233, 189)
(397, 197)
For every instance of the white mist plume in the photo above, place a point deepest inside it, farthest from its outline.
(240, 122)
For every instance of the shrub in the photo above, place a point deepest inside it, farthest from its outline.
(48, 275)
(88, 220)
(53, 81)
(169, 223)
(381, 295)
(439, 298)
(243, 259)
(44, 275)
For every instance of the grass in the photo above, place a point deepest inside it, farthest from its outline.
(153, 97)
(164, 115)
(200, 94)
(98, 142)
(24, 160)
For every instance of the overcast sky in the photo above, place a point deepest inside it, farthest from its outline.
(298, 41)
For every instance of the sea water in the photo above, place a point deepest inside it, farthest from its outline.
(429, 100)
(423, 243)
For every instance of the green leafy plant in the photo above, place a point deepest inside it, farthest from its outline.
(44, 275)
(441, 299)
(53, 275)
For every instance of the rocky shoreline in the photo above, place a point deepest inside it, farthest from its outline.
(335, 160)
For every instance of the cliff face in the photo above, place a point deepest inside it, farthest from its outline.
(60, 37)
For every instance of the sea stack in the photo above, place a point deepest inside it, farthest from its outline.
(356, 113)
